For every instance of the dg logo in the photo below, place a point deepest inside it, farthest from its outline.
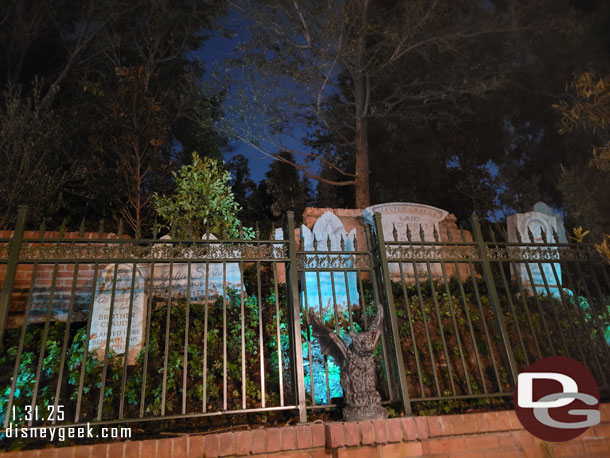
(557, 399)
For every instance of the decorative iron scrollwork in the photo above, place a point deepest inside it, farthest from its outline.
(333, 261)
(411, 252)
(179, 251)
(542, 253)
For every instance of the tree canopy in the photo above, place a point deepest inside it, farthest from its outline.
(97, 98)
(443, 103)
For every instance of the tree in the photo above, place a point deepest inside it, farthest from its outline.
(243, 187)
(203, 202)
(130, 136)
(498, 151)
(314, 56)
(30, 153)
(287, 190)
(586, 107)
(116, 75)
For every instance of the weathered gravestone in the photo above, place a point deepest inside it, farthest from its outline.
(123, 300)
(212, 277)
(541, 207)
(537, 227)
(337, 291)
(331, 294)
(417, 218)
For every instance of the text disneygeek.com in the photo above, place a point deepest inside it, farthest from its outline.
(62, 433)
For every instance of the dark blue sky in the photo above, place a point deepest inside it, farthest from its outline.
(213, 53)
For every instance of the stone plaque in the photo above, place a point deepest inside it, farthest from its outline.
(214, 274)
(537, 223)
(416, 217)
(120, 315)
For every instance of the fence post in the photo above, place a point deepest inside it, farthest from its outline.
(509, 357)
(11, 268)
(391, 316)
(294, 322)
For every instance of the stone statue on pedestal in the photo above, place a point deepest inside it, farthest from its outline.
(357, 364)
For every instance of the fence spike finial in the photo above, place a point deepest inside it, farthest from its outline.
(518, 235)
(62, 228)
(394, 232)
(342, 243)
(120, 231)
(448, 235)
(408, 233)
(435, 234)
(530, 235)
(257, 231)
(81, 228)
(327, 242)
(462, 233)
(43, 228)
(555, 235)
(101, 229)
(422, 236)
(492, 234)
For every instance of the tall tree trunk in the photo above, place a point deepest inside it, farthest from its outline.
(363, 194)
(361, 98)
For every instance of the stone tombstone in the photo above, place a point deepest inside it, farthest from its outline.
(337, 293)
(537, 222)
(217, 274)
(120, 314)
(541, 207)
(401, 215)
(344, 284)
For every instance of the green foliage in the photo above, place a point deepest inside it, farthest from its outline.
(202, 203)
(216, 311)
(587, 106)
(29, 161)
(71, 129)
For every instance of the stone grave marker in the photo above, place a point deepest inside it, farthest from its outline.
(537, 223)
(344, 284)
(216, 273)
(120, 315)
(403, 215)
(334, 293)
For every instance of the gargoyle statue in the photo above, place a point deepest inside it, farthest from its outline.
(358, 371)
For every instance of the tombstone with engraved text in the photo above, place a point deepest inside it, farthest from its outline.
(402, 219)
(200, 280)
(118, 291)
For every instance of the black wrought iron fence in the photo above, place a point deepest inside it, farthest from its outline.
(472, 313)
(118, 329)
(110, 329)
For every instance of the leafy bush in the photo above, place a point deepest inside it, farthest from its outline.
(203, 202)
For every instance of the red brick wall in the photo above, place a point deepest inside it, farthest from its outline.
(490, 434)
(44, 279)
